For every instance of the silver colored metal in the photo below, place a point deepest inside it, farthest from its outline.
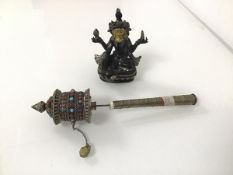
(156, 101)
(77, 105)
(169, 101)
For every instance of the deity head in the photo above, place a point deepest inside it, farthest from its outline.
(119, 29)
(119, 34)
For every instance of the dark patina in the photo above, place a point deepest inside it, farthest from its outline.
(119, 65)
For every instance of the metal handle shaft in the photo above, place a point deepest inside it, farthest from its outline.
(157, 101)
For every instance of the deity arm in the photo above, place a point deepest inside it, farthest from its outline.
(98, 39)
(109, 47)
(104, 45)
(141, 40)
(134, 46)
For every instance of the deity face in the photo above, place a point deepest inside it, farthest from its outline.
(119, 34)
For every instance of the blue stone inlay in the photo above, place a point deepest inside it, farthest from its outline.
(71, 98)
(71, 109)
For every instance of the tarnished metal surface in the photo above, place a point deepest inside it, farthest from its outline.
(67, 106)
(157, 101)
(77, 105)
(185, 99)
(117, 63)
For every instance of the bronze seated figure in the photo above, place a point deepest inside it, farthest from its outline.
(119, 65)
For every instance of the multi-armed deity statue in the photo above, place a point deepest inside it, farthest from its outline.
(119, 65)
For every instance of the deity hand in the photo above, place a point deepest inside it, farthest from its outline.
(142, 39)
(96, 38)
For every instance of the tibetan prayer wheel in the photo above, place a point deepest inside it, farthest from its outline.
(77, 105)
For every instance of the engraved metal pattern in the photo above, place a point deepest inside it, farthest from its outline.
(87, 106)
(67, 106)
(74, 106)
(157, 101)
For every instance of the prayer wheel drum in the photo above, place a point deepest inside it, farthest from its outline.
(67, 106)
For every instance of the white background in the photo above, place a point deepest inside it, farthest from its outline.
(46, 44)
